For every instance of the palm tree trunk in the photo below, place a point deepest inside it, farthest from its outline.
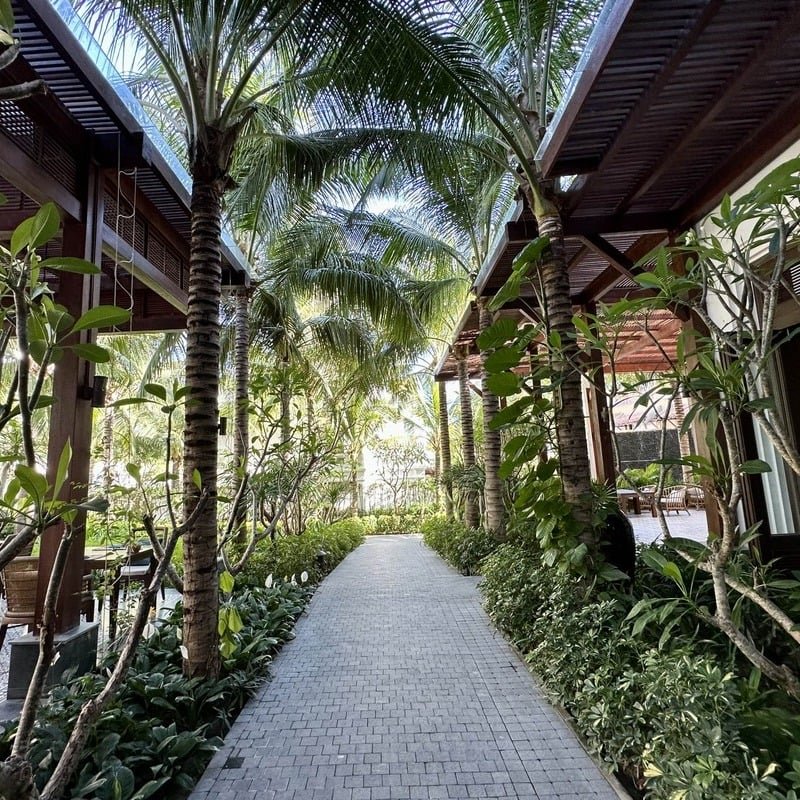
(568, 402)
(471, 512)
(241, 371)
(201, 595)
(446, 460)
(683, 438)
(492, 444)
(241, 414)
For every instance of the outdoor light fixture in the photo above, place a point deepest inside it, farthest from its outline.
(96, 391)
(99, 386)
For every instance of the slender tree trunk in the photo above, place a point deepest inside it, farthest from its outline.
(492, 444)
(108, 449)
(471, 511)
(568, 402)
(683, 438)
(241, 414)
(444, 447)
(201, 590)
(241, 371)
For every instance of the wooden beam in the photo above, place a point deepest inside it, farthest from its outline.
(24, 173)
(589, 67)
(143, 270)
(696, 127)
(619, 223)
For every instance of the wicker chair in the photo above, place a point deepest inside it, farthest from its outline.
(675, 500)
(20, 577)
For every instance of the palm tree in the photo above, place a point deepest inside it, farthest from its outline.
(223, 63)
(445, 460)
(471, 509)
(502, 63)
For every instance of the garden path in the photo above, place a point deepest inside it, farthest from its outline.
(397, 686)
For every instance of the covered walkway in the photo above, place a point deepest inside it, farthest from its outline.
(397, 686)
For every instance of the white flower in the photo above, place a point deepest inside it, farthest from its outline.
(268, 582)
(303, 576)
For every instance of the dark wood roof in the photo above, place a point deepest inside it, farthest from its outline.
(94, 113)
(674, 103)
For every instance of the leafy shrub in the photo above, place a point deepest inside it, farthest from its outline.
(316, 551)
(677, 715)
(463, 547)
(386, 522)
(158, 736)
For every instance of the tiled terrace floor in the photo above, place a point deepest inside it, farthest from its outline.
(397, 686)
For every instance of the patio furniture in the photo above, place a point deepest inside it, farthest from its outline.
(137, 570)
(647, 498)
(20, 578)
(695, 497)
(628, 500)
(675, 500)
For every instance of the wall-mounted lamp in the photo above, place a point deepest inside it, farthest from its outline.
(96, 391)
(99, 386)
(223, 426)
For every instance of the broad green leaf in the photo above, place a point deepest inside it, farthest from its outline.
(509, 291)
(92, 352)
(79, 266)
(648, 280)
(235, 623)
(21, 236)
(41, 228)
(31, 481)
(754, 467)
(6, 16)
(502, 359)
(671, 570)
(226, 582)
(511, 413)
(503, 384)
(157, 390)
(197, 479)
(531, 252)
(101, 317)
(62, 468)
(497, 334)
(134, 471)
(129, 401)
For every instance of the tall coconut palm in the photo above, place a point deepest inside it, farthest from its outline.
(445, 460)
(223, 61)
(471, 508)
(506, 65)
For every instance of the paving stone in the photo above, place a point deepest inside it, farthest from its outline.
(397, 687)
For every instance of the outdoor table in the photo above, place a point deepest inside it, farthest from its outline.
(114, 558)
(630, 497)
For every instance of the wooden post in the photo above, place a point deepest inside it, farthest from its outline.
(71, 414)
(599, 423)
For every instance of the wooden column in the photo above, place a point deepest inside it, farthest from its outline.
(599, 422)
(71, 414)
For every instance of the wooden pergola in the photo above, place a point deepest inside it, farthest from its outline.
(87, 145)
(672, 105)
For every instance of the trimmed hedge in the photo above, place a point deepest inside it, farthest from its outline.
(677, 716)
(316, 551)
(463, 547)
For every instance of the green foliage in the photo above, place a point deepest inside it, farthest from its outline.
(635, 478)
(387, 522)
(681, 716)
(315, 552)
(162, 729)
(465, 548)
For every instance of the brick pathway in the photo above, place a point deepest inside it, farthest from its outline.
(398, 687)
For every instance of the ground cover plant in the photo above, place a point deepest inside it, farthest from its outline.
(156, 737)
(661, 697)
